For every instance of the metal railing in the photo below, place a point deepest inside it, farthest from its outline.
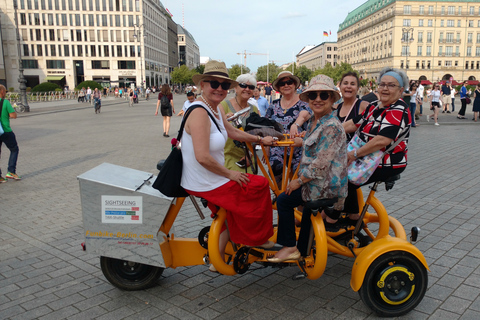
(48, 96)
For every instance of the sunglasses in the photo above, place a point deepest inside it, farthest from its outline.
(324, 95)
(215, 84)
(288, 82)
(244, 85)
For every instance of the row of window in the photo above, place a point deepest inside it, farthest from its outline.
(79, 20)
(450, 23)
(96, 64)
(84, 5)
(448, 51)
(450, 10)
(448, 63)
(66, 50)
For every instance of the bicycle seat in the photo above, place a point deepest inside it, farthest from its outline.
(320, 203)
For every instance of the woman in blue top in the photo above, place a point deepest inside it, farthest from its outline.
(463, 99)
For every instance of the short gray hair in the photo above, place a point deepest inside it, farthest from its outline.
(247, 77)
(402, 75)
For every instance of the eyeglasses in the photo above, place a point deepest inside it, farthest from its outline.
(389, 86)
(324, 95)
(215, 84)
(282, 83)
(244, 86)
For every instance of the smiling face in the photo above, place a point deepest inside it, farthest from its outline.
(287, 89)
(213, 96)
(349, 87)
(389, 90)
(321, 107)
(244, 93)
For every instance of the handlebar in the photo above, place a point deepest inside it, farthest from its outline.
(238, 114)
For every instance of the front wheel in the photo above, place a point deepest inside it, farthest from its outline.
(394, 284)
(20, 108)
(128, 275)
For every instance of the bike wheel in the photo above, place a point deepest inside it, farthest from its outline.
(20, 108)
(394, 284)
(128, 275)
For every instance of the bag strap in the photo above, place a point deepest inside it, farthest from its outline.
(190, 109)
(1, 105)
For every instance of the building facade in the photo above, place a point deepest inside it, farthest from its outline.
(118, 43)
(430, 39)
(316, 57)
(188, 49)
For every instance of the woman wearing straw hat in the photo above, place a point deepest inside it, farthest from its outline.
(291, 112)
(245, 197)
(322, 173)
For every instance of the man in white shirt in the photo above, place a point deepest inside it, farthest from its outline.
(89, 94)
(188, 103)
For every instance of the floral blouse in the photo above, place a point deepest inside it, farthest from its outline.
(286, 118)
(324, 159)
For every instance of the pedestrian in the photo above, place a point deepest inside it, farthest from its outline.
(89, 95)
(261, 102)
(476, 103)
(446, 98)
(420, 92)
(8, 137)
(463, 99)
(97, 98)
(165, 100)
(190, 99)
(453, 92)
(434, 97)
(268, 93)
(410, 96)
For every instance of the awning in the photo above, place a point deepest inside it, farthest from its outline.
(425, 82)
(54, 78)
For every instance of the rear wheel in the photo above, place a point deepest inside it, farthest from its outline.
(128, 275)
(394, 284)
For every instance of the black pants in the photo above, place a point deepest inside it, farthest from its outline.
(351, 202)
(464, 107)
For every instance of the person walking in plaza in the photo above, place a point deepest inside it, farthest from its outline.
(453, 92)
(165, 101)
(97, 98)
(268, 93)
(89, 95)
(476, 103)
(410, 96)
(434, 97)
(463, 100)
(8, 137)
(261, 102)
(420, 95)
(446, 98)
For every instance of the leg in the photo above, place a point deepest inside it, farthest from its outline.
(453, 104)
(436, 110)
(11, 142)
(167, 127)
(412, 112)
(164, 125)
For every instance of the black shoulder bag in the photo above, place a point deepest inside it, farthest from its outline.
(170, 176)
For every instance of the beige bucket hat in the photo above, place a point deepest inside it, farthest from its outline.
(216, 69)
(320, 83)
(284, 74)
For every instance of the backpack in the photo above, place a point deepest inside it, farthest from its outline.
(164, 102)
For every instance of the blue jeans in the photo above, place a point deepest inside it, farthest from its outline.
(9, 139)
(413, 106)
(453, 104)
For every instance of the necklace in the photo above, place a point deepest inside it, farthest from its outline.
(209, 106)
(240, 104)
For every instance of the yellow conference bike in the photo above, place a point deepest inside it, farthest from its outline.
(130, 226)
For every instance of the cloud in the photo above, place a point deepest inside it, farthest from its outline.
(292, 15)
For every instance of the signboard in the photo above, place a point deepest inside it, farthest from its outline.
(121, 209)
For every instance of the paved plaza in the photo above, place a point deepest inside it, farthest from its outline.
(44, 274)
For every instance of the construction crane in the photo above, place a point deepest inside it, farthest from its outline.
(244, 53)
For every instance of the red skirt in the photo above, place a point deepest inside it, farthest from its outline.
(249, 209)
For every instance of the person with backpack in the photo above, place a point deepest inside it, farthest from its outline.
(165, 103)
(7, 136)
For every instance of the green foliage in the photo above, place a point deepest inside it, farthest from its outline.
(273, 71)
(183, 75)
(303, 73)
(45, 87)
(200, 69)
(236, 69)
(89, 83)
(11, 89)
(334, 73)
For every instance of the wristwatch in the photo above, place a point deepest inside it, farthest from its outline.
(300, 182)
(355, 154)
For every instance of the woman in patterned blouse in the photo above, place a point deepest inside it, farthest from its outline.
(380, 126)
(323, 169)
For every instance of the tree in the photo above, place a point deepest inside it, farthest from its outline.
(182, 75)
(273, 71)
(334, 73)
(236, 70)
(200, 69)
(89, 83)
(46, 87)
(303, 73)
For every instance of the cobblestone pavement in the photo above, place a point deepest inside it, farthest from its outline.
(44, 274)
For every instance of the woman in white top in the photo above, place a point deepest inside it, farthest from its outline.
(453, 92)
(245, 197)
(434, 97)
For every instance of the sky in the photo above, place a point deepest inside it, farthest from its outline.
(279, 28)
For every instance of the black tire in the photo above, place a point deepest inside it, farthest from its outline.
(394, 284)
(203, 236)
(130, 276)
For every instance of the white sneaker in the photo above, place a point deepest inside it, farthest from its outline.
(436, 123)
(428, 118)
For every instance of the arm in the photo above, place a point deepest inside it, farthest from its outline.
(373, 145)
(349, 126)
(363, 106)
(173, 109)
(303, 117)
(13, 115)
(158, 105)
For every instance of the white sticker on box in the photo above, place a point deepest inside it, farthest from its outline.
(119, 209)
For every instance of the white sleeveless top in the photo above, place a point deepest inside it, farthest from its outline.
(195, 177)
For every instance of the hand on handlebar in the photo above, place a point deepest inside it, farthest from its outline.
(239, 177)
(297, 142)
(268, 141)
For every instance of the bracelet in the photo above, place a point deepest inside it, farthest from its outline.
(355, 154)
(300, 182)
(259, 139)
(298, 125)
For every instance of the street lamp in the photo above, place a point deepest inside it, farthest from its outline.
(21, 78)
(407, 38)
(137, 34)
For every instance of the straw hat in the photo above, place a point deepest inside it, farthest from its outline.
(320, 83)
(216, 69)
(285, 74)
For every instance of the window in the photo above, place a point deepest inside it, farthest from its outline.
(36, 18)
(26, 52)
(329, 56)
(421, 10)
(79, 35)
(448, 51)
(93, 51)
(470, 23)
(443, 10)
(429, 50)
(419, 51)
(23, 19)
(478, 37)
(329, 48)
(430, 22)
(79, 50)
(38, 34)
(119, 51)
(30, 64)
(420, 22)
(66, 50)
(449, 37)
(55, 64)
(430, 10)
(406, 22)
(459, 10)
(450, 23)
(451, 10)
(126, 64)
(51, 33)
(472, 11)
(53, 51)
(50, 19)
(105, 51)
(469, 37)
(420, 37)
(39, 50)
(78, 21)
(104, 20)
(441, 37)
(459, 23)
(439, 63)
(429, 37)
(117, 21)
(442, 24)
(466, 64)
(404, 51)
(90, 20)
(407, 9)
(132, 51)
(477, 51)
(100, 64)
(440, 50)
(457, 51)
(448, 63)
(469, 51)
(64, 19)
